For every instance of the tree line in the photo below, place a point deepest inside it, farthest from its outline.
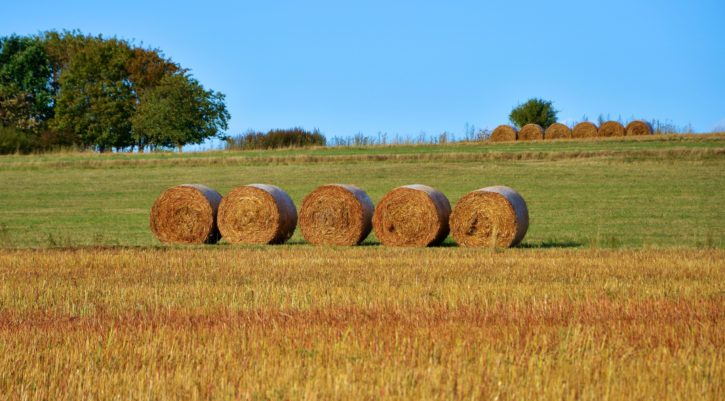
(67, 89)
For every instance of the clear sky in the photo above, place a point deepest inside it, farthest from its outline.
(406, 67)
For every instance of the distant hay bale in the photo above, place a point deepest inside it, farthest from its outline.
(336, 214)
(494, 216)
(557, 131)
(530, 132)
(504, 133)
(257, 214)
(611, 128)
(186, 214)
(638, 127)
(412, 215)
(584, 129)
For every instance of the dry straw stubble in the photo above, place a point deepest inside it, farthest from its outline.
(557, 131)
(494, 216)
(257, 214)
(638, 128)
(584, 129)
(186, 214)
(412, 215)
(611, 129)
(531, 132)
(336, 214)
(504, 133)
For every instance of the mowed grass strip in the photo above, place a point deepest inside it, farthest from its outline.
(361, 323)
(535, 149)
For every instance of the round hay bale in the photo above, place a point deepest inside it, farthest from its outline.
(557, 131)
(530, 132)
(584, 129)
(336, 214)
(638, 127)
(493, 216)
(503, 133)
(257, 214)
(611, 128)
(186, 214)
(412, 215)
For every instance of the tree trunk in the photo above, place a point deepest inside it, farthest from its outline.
(140, 148)
(181, 147)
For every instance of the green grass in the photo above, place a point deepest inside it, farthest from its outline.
(617, 196)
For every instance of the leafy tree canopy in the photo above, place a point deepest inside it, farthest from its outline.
(534, 111)
(26, 96)
(94, 92)
(179, 111)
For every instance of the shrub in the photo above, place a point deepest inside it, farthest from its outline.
(534, 111)
(13, 140)
(277, 138)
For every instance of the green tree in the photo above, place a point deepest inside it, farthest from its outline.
(534, 111)
(146, 69)
(179, 111)
(96, 99)
(26, 93)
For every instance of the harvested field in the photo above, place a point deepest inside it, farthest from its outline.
(626, 304)
(361, 323)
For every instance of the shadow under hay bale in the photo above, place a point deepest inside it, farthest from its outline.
(584, 129)
(186, 214)
(493, 217)
(257, 214)
(503, 133)
(336, 214)
(531, 132)
(557, 131)
(611, 129)
(412, 215)
(638, 128)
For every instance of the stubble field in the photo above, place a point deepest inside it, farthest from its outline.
(617, 293)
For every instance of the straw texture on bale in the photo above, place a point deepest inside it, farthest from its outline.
(611, 128)
(412, 215)
(557, 131)
(336, 214)
(494, 217)
(186, 214)
(504, 133)
(530, 132)
(257, 214)
(638, 127)
(584, 129)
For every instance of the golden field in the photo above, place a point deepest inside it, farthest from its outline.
(302, 322)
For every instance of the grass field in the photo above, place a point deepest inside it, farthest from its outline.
(591, 194)
(618, 291)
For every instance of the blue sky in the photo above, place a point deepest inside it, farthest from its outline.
(406, 67)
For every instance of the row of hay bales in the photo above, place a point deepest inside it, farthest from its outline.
(584, 129)
(339, 214)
